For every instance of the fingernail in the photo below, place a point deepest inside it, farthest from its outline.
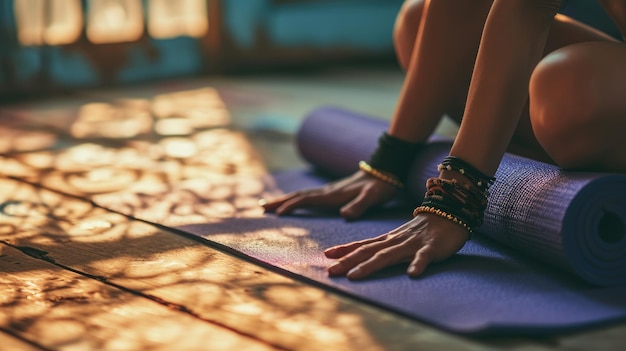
(348, 215)
(413, 272)
(262, 202)
(334, 269)
(354, 273)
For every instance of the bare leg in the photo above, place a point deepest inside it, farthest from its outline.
(564, 31)
(440, 63)
(578, 106)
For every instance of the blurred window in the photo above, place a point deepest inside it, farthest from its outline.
(114, 21)
(58, 22)
(50, 22)
(172, 18)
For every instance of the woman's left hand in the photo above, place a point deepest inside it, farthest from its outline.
(425, 239)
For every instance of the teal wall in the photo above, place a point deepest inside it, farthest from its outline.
(364, 25)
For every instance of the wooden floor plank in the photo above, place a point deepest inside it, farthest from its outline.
(209, 284)
(9, 342)
(62, 310)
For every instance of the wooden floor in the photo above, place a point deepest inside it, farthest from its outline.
(79, 275)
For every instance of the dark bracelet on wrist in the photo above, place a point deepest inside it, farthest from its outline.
(393, 156)
(464, 204)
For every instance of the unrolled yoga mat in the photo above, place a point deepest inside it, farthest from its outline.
(558, 262)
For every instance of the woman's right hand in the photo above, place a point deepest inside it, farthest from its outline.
(352, 196)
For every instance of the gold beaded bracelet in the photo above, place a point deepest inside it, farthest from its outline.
(365, 167)
(442, 214)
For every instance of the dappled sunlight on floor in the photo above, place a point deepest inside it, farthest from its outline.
(63, 310)
(171, 159)
(59, 231)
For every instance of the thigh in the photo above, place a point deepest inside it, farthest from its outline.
(564, 33)
(578, 106)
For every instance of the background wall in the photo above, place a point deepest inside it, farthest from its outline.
(47, 45)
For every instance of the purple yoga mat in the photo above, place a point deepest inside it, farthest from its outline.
(557, 262)
(574, 220)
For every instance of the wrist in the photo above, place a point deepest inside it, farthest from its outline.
(459, 194)
(393, 156)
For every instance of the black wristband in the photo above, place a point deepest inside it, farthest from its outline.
(394, 156)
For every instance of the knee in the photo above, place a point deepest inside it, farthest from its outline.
(561, 90)
(406, 28)
(563, 103)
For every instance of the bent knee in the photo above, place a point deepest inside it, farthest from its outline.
(406, 28)
(564, 90)
(563, 103)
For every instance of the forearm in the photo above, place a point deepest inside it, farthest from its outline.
(440, 66)
(512, 44)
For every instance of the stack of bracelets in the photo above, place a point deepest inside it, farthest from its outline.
(391, 160)
(463, 204)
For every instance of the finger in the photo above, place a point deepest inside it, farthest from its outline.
(313, 199)
(342, 250)
(384, 258)
(355, 208)
(356, 257)
(422, 259)
(300, 201)
(273, 204)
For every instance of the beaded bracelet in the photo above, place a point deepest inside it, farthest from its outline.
(468, 201)
(461, 201)
(463, 204)
(389, 178)
(480, 179)
(444, 214)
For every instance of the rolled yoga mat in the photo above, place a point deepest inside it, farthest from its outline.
(550, 257)
(576, 221)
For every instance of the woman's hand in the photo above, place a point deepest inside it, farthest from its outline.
(425, 239)
(352, 196)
